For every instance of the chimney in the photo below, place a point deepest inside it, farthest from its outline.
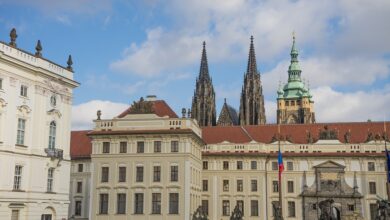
(151, 98)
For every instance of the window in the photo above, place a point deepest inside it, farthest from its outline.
(156, 174)
(52, 135)
(139, 174)
(122, 174)
(205, 165)
(174, 146)
(157, 147)
(205, 185)
(140, 147)
(50, 173)
(139, 203)
(80, 167)
(46, 217)
(273, 210)
(254, 185)
(291, 209)
(106, 147)
(290, 165)
(123, 147)
(371, 166)
(103, 204)
(254, 208)
(105, 173)
(23, 90)
(372, 187)
(156, 203)
(173, 203)
(240, 186)
(15, 215)
(239, 165)
(290, 186)
(287, 103)
(121, 203)
(225, 208)
(21, 131)
(225, 185)
(79, 188)
(174, 173)
(254, 165)
(225, 165)
(205, 206)
(275, 166)
(77, 208)
(18, 177)
(240, 205)
(351, 207)
(373, 210)
(275, 186)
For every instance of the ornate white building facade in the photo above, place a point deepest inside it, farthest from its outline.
(35, 115)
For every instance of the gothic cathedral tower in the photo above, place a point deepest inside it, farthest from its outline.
(252, 110)
(203, 102)
(295, 104)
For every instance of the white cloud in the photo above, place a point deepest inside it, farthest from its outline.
(84, 113)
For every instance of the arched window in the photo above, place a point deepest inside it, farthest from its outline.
(52, 135)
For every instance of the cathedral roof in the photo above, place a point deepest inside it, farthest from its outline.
(228, 115)
(80, 145)
(345, 132)
(158, 107)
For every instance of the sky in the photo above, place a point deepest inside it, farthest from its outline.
(126, 49)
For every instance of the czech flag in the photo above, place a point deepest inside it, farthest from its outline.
(280, 162)
(388, 165)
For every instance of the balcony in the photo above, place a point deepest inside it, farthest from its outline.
(54, 153)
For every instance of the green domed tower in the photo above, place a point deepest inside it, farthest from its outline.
(295, 104)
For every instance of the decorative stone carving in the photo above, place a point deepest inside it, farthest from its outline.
(70, 63)
(309, 137)
(13, 37)
(141, 107)
(38, 49)
(347, 137)
(383, 212)
(24, 109)
(328, 134)
(276, 210)
(370, 136)
(328, 211)
(199, 214)
(236, 214)
(98, 114)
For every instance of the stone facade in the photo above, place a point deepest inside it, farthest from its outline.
(228, 116)
(252, 110)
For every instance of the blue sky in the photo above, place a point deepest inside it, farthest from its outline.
(123, 50)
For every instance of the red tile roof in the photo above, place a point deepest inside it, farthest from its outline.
(80, 145)
(296, 133)
(159, 107)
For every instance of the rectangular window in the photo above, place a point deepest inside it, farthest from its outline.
(15, 215)
(254, 165)
(18, 177)
(275, 186)
(240, 205)
(174, 146)
(240, 186)
(205, 165)
(372, 187)
(225, 185)
(77, 208)
(291, 209)
(46, 217)
(225, 165)
(123, 147)
(174, 173)
(106, 147)
(122, 174)
(139, 203)
(275, 166)
(156, 203)
(254, 185)
(105, 173)
(173, 203)
(21, 131)
(373, 210)
(140, 147)
(290, 186)
(23, 90)
(254, 208)
(239, 165)
(139, 174)
(156, 174)
(157, 147)
(225, 208)
(351, 207)
(79, 188)
(205, 185)
(103, 204)
(121, 203)
(50, 179)
(371, 166)
(290, 165)
(205, 206)
(80, 167)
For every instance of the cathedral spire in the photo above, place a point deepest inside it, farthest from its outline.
(252, 66)
(204, 67)
(294, 71)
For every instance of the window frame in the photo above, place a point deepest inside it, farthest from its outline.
(156, 203)
(174, 146)
(139, 172)
(103, 203)
(138, 203)
(78, 208)
(105, 173)
(174, 173)
(156, 174)
(106, 147)
(23, 91)
(174, 203)
(140, 147)
(254, 186)
(18, 177)
(50, 179)
(123, 147)
(240, 165)
(52, 135)
(157, 146)
(21, 131)
(122, 174)
(121, 203)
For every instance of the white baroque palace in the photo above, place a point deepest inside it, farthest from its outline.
(35, 115)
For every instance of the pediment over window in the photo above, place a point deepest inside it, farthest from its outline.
(54, 112)
(329, 164)
(24, 109)
(3, 103)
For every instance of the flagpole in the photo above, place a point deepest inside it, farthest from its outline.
(387, 161)
(280, 176)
